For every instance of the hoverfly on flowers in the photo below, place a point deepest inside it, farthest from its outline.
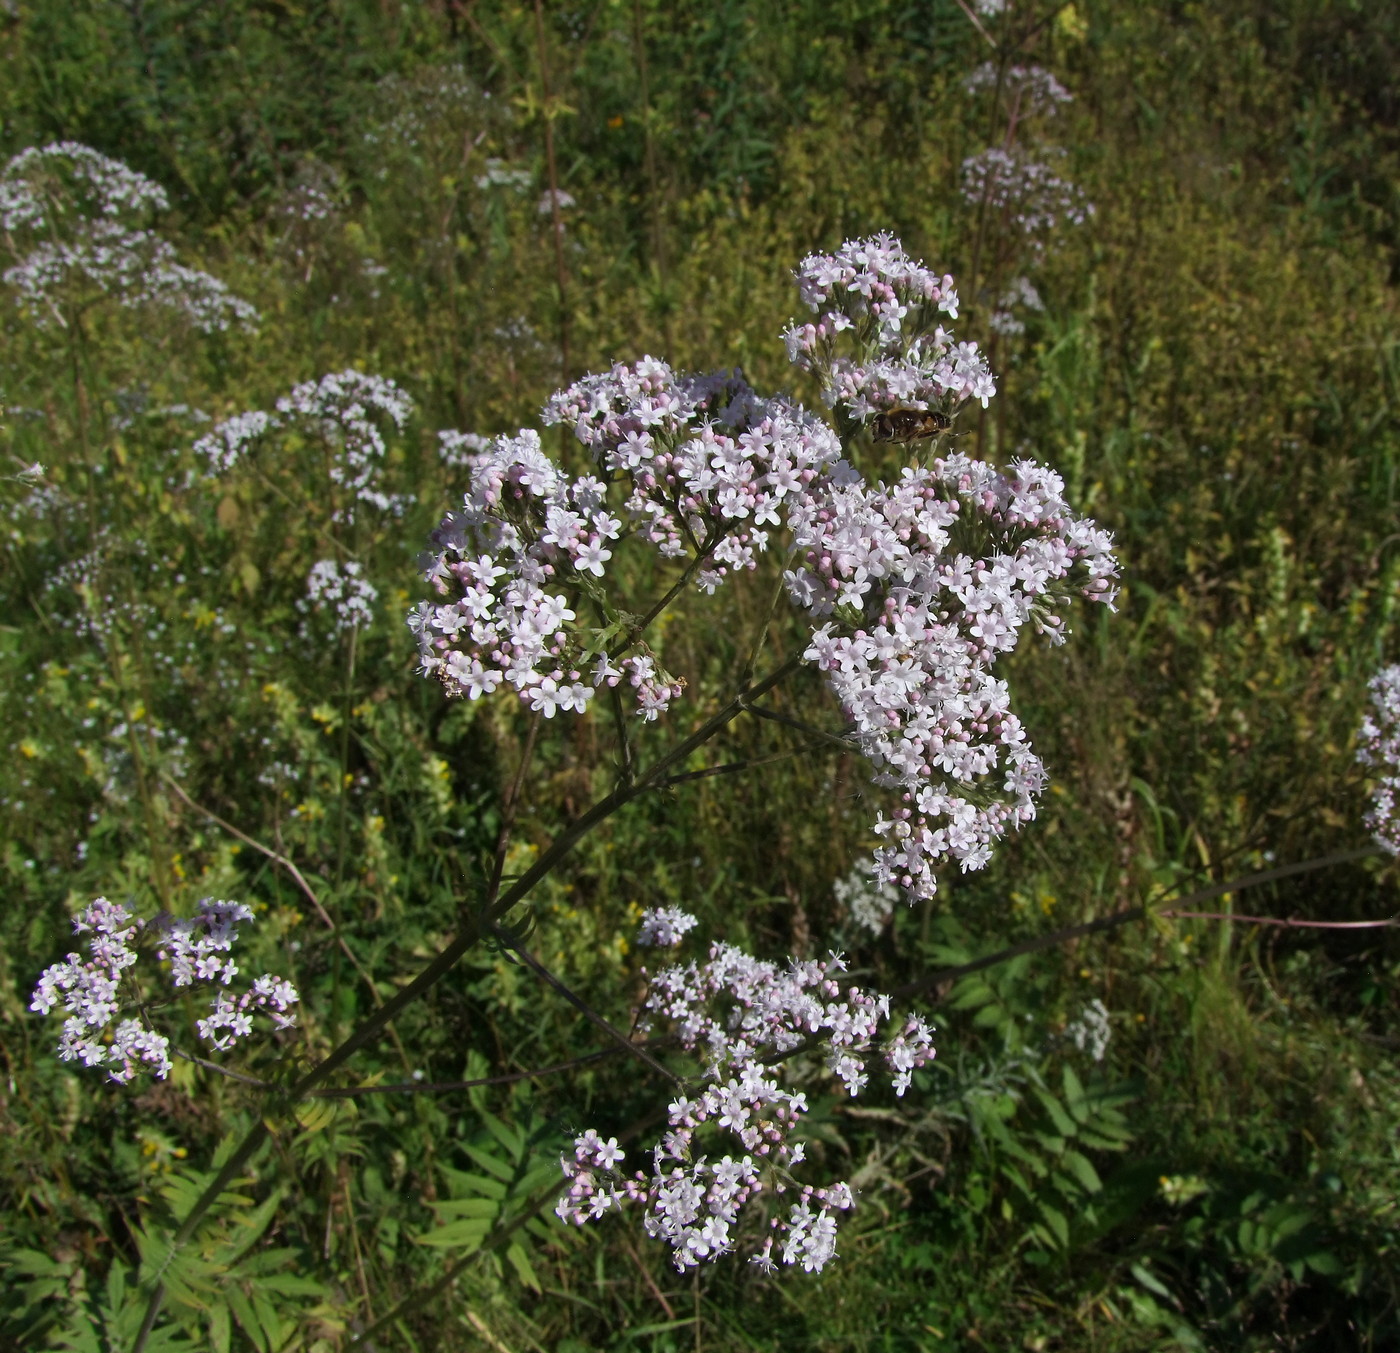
(908, 425)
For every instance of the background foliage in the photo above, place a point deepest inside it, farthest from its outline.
(1216, 374)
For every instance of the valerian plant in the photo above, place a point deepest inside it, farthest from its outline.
(910, 593)
(907, 594)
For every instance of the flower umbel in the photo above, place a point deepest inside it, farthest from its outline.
(94, 992)
(743, 1015)
(1380, 748)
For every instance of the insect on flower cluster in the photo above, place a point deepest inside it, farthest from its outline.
(914, 590)
(709, 469)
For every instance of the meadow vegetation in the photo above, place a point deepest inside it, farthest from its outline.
(1167, 1132)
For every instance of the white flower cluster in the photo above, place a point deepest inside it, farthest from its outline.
(741, 1012)
(552, 197)
(1380, 747)
(47, 181)
(711, 466)
(196, 948)
(917, 624)
(436, 103)
(664, 926)
(67, 215)
(342, 589)
(1026, 192)
(522, 524)
(710, 469)
(342, 410)
(878, 343)
(1091, 1032)
(868, 903)
(1019, 294)
(499, 174)
(916, 589)
(457, 449)
(1031, 90)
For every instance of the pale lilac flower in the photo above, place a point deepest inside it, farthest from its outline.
(1379, 739)
(1023, 192)
(741, 1013)
(869, 904)
(344, 411)
(94, 992)
(553, 197)
(1030, 90)
(1018, 294)
(341, 588)
(912, 626)
(915, 590)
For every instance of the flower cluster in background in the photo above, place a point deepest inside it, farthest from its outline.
(1023, 192)
(93, 993)
(70, 217)
(664, 926)
(741, 1015)
(1030, 90)
(341, 588)
(1379, 748)
(868, 903)
(1091, 1032)
(1018, 294)
(343, 411)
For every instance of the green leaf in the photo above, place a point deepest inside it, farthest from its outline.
(1074, 1095)
(1324, 1262)
(243, 1313)
(1064, 1124)
(462, 1235)
(271, 1323)
(520, 1262)
(1080, 1167)
(511, 1138)
(464, 1185)
(219, 1329)
(492, 1164)
(467, 1207)
(1148, 1281)
(1056, 1221)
